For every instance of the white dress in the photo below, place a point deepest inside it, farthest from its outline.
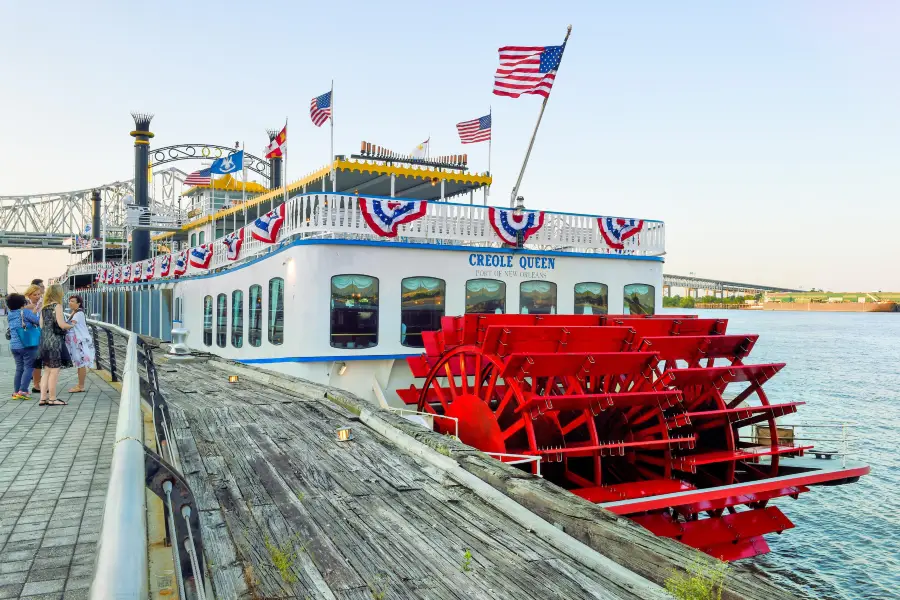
(79, 342)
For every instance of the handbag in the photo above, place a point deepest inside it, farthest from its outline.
(29, 337)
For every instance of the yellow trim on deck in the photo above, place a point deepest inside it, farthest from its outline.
(346, 165)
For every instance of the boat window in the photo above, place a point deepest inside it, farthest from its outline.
(591, 298)
(276, 311)
(221, 320)
(237, 318)
(254, 333)
(421, 308)
(207, 320)
(202, 237)
(193, 240)
(485, 296)
(640, 299)
(537, 298)
(354, 311)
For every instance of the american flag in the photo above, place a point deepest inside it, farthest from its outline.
(527, 70)
(201, 177)
(320, 109)
(476, 130)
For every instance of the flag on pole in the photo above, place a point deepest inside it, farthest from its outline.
(476, 130)
(228, 164)
(320, 109)
(201, 177)
(280, 141)
(527, 70)
(421, 150)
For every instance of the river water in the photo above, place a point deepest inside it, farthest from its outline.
(846, 366)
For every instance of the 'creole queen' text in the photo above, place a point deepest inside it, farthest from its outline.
(481, 259)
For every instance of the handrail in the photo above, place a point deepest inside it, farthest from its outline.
(121, 566)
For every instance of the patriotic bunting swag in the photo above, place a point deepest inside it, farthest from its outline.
(150, 270)
(101, 276)
(126, 274)
(201, 256)
(385, 216)
(165, 266)
(615, 230)
(181, 263)
(233, 242)
(507, 223)
(266, 228)
(137, 271)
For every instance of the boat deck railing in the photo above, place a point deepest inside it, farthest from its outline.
(340, 216)
(830, 438)
(121, 568)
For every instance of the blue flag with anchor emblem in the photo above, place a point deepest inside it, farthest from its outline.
(228, 164)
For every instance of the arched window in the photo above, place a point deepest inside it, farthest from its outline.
(591, 298)
(221, 320)
(207, 320)
(537, 298)
(485, 296)
(255, 315)
(422, 303)
(202, 237)
(193, 240)
(276, 311)
(354, 311)
(640, 299)
(237, 318)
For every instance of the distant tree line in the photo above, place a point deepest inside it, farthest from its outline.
(688, 302)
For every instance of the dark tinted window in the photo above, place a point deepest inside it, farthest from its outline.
(537, 298)
(640, 299)
(207, 320)
(485, 296)
(237, 318)
(422, 302)
(255, 315)
(354, 311)
(276, 311)
(591, 298)
(221, 320)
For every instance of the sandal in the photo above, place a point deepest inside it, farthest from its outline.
(57, 402)
(76, 390)
(44, 402)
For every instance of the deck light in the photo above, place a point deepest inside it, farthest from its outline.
(232, 379)
(344, 434)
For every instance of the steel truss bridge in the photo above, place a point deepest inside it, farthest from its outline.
(714, 285)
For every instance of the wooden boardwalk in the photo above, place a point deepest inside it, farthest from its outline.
(287, 511)
(54, 470)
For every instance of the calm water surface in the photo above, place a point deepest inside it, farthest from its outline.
(846, 540)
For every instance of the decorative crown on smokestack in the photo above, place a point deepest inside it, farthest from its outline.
(142, 121)
(272, 133)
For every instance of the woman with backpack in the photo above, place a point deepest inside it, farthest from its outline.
(79, 341)
(23, 342)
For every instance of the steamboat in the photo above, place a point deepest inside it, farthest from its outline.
(532, 335)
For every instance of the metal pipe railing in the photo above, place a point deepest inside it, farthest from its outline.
(121, 566)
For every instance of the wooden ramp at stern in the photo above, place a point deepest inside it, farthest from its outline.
(287, 511)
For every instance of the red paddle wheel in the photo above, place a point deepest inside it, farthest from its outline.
(629, 412)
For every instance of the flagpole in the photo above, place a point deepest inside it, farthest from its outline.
(487, 189)
(244, 190)
(331, 156)
(515, 190)
(283, 175)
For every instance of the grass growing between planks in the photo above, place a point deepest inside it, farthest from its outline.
(702, 580)
(283, 558)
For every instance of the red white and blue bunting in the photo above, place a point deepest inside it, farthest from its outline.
(165, 265)
(233, 242)
(137, 271)
(385, 216)
(181, 263)
(126, 274)
(266, 228)
(507, 224)
(616, 231)
(201, 256)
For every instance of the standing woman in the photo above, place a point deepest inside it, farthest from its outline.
(79, 341)
(53, 333)
(34, 294)
(23, 326)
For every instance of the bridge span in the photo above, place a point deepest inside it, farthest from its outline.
(695, 284)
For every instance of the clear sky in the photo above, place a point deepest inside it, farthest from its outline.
(766, 134)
